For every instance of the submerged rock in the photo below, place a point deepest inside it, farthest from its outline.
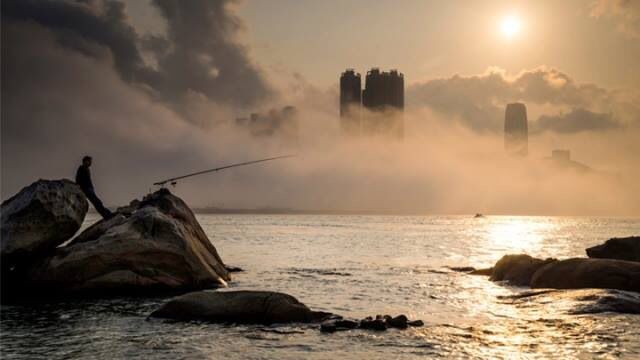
(580, 301)
(160, 246)
(517, 269)
(617, 248)
(37, 219)
(580, 273)
(379, 323)
(242, 307)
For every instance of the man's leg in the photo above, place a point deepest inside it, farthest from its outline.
(97, 204)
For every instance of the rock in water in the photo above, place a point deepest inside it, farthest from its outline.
(588, 273)
(241, 307)
(617, 248)
(517, 269)
(579, 301)
(40, 217)
(160, 246)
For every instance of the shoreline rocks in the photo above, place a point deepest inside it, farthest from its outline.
(588, 273)
(159, 247)
(617, 248)
(155, 245)
(610, 266)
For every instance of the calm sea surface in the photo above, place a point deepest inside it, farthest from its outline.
(354, 266)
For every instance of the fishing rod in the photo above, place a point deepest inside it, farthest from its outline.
(174, 180)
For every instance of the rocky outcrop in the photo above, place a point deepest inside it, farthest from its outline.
(588, 273)
(517, 269)
(39, 218)
(617, 248)
(157, 246)
(240, 307)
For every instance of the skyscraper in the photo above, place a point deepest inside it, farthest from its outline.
(516, 133)
(383, 98)
(350, 102)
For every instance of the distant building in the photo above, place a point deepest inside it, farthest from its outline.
(350, 102)
(516, 132)
(383, 98)
(282, 124)
(562, 159)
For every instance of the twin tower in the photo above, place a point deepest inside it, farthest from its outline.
(376, 110)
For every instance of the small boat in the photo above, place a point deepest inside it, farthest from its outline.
(478, 215)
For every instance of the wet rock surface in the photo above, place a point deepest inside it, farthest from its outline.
(379, 323)
(579, 301)
(517, 269)
(617, 248)
(581, 273)
(239, 307)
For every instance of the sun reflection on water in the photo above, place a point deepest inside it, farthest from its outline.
(519, 234)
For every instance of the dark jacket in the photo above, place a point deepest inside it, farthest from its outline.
(83, 178)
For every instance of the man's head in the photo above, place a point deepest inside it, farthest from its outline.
(86, 161)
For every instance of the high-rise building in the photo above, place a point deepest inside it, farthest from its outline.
(350, 101)
(383, 98)
(516, 133)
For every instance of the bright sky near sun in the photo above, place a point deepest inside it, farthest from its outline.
(430, 38)
(427, 39)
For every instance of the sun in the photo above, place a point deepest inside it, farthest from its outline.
(510, 26)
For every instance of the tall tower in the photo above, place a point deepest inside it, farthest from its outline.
(350, 102)
(516, 132)
(383, 97)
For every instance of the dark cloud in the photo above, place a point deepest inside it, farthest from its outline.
(479, 101)
(577, 120)
(200, 54)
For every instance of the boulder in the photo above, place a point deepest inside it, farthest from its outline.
(517, 269)
(240, 307)
(160, 246)
(617, 248)
(581, 273)
(37, 219)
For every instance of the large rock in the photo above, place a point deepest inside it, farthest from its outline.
(159, 246)
(581, 273)
(517, 269)
(241, 307)
(40, 217)
(617, 248)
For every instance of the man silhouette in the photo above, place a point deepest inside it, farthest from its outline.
(83, 178)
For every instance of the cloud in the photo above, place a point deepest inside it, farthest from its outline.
(198, 56)
(577, 120)
(479, 101)
(626, 13)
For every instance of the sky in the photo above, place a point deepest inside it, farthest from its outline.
(151, 89)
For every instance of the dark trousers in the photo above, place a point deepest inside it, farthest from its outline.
(97, 203)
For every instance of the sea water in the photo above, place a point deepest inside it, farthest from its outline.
(355, 266)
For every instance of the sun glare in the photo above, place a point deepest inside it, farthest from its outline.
(510, 26)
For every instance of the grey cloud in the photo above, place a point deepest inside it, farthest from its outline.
(200, 53)
(576, 121)
(479, 101)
